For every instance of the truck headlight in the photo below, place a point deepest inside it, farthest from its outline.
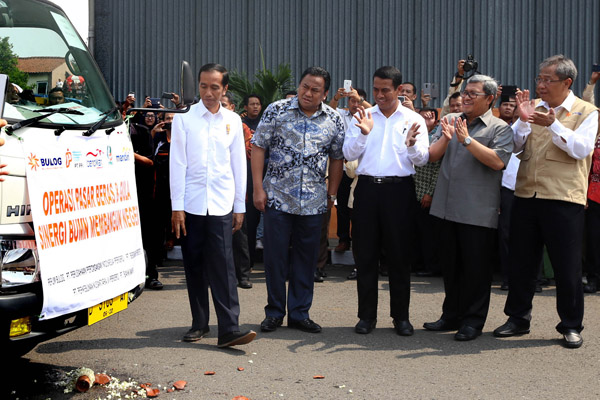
(18, 262)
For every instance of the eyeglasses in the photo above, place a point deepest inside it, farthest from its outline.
(471, 95)
(149, 116)
(539, 81)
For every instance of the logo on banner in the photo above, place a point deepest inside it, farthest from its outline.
(68, 158)
(94, 159)
(34, 162)
(124, 156)
(109, 155)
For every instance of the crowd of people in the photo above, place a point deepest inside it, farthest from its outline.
(455, 191)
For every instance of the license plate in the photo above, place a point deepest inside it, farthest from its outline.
(107, 308)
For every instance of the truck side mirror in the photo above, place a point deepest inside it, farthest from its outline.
(3, 87)
(188, 84)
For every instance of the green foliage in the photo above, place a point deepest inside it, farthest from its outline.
(270, 86)
(9, 65)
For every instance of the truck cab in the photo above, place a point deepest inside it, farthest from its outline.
(37, 34)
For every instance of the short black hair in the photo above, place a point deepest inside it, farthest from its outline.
(389, 72)
(433, 110)
(290, 93)
(215, 67)
(248, 97)
(57, 89)
(454, 95)
(411, 84)
(361, 93)
(318, 71)
(229, 96)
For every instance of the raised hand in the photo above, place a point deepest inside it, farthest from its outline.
(525, 107)
(411, 136)
(365, 120)
(448, 129)
(461, 130)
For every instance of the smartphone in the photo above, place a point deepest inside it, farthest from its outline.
(167, 95)
(402, 99)
(155, 102)
(596, 68)
(347, 86)
(431, 89)
(509, 90)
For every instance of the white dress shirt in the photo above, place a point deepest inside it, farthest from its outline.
(207, 162)
(509, 175)
(579, 143)
(383, 151)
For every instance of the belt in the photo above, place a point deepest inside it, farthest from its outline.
(384, 179)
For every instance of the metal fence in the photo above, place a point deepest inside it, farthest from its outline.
(139, 43)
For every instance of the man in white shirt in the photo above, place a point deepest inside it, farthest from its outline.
(387, 149)
(208, 180)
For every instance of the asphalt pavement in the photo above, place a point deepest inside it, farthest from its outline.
(143, 344)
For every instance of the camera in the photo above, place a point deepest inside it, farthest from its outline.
(470, 64)
(167, 95)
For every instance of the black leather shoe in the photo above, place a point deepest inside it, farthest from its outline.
(424, 274)
(403, 328)
(193, 335)
(466, 333)
(504, 286)
(318, 277)
(154, 284)
(353, 274)
(306, 325)
(270, 324)
(440, 325)
(590, 287)
(510, 329)
(573, 339)
(245, 285)
(365, 326)
(236, 338)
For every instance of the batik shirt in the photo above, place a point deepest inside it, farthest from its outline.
(299, 147)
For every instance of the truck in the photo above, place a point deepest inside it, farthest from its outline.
(40, 35)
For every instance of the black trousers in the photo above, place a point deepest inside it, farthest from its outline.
(559, 226)
(382, 219)
(208, 261)
(592, 237)
(426, 239)
(241, 254)
(467, 266)
(342, 209)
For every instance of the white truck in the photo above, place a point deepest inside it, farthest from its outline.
(42, 37)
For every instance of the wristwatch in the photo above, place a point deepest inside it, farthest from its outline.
(331, 197)
(467, 141)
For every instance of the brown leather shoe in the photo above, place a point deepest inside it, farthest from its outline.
(342, 247)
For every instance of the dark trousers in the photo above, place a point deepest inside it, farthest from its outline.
(241, 254)
(324, 242)
(208, 261)
(559, 226)
(507, 197)
(467, 269)
(303, 233)
(592, 236)
(342, 209)
(382, 220)
(148, 228)
(427, 239)
(252, 217)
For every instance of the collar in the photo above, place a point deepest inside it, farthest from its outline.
(567, 103)
(400, 109)
(486, 117)
(294, 104)
(202, 110)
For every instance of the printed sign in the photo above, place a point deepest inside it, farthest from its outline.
(85, 213)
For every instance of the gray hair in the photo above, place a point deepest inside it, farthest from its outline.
(565, 67)
(490, 86)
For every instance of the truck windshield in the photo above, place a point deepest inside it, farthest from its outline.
(52, 66)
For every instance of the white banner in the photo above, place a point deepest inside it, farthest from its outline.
(85, 213)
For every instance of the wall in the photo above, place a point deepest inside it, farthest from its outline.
(140, 43)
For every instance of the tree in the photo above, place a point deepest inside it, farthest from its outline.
(270, 86)
(9, 65)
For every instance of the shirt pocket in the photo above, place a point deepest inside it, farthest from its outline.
(399, 137)
(556, 154)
